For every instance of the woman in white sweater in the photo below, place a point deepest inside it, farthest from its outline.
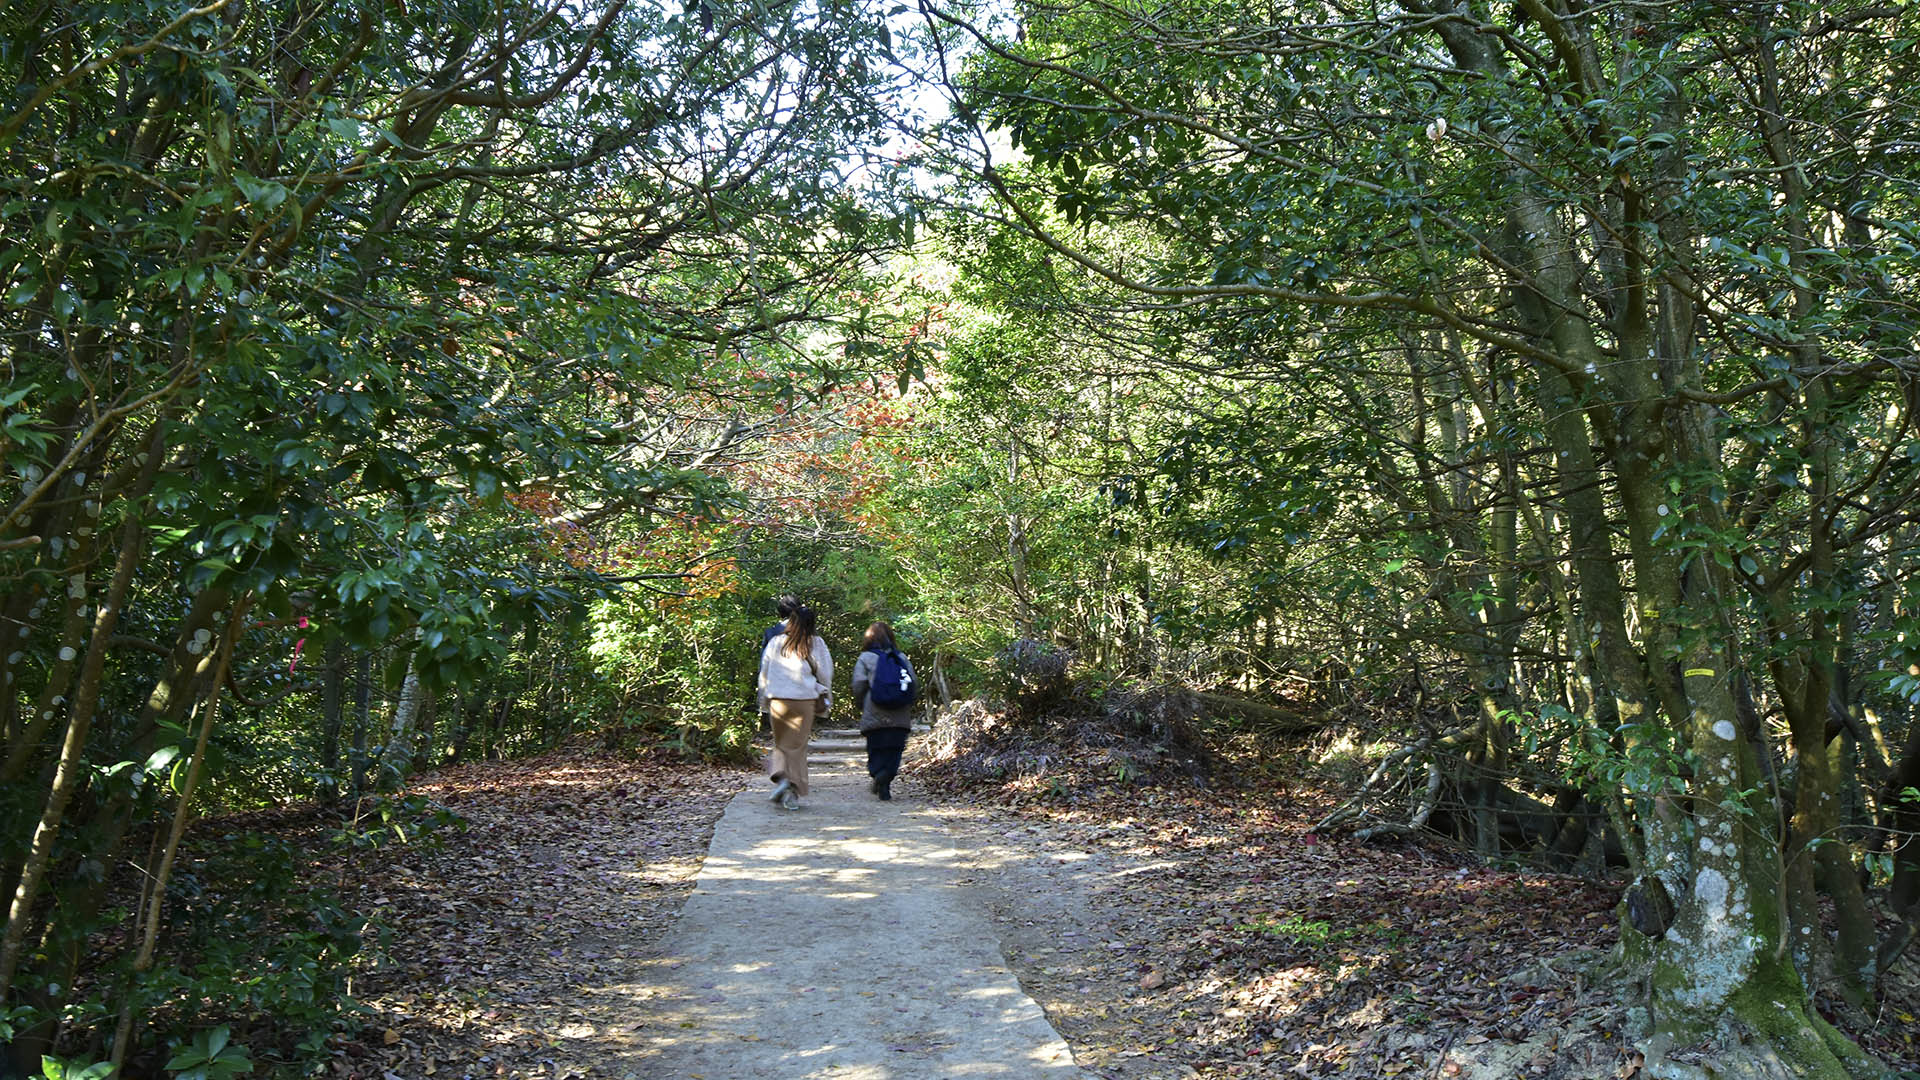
(796, 685)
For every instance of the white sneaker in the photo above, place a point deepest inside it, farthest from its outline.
(783, 788)
(789, 801)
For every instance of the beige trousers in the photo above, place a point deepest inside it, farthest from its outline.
(792, 728)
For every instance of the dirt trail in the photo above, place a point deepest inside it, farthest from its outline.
(840, 941)
(1167, 935)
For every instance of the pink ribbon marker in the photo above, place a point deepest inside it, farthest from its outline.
(297, 646)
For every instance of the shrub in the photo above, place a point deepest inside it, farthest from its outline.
(1032, 677)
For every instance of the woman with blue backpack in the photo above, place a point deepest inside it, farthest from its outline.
(884, 688)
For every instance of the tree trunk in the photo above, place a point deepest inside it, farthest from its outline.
(332, 701)
(362, 707)
(473, 702)
(940, 680)
(423, 756)
(148, 929)
(1902, 818)
(395, 754)
(1721, 972)
(1017, 544)
(72, 759)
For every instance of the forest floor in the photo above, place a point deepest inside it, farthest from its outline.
(1181, 933)
(570, 867)
(1166, 932)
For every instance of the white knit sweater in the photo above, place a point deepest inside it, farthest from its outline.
(784, 675)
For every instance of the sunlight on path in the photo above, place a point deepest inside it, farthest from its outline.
(835, 942)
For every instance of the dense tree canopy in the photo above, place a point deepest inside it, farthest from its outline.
(390, 387)
(364, 328)
(1584, 327)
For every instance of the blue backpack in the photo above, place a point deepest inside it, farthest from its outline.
(893, 684)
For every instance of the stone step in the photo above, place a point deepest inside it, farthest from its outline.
(817, 744)
(854, 733)
(857, 758)
(836, 745)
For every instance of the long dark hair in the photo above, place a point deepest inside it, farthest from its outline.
(799, 641)
(879, 638)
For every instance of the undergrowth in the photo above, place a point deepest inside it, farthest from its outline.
(256, 955)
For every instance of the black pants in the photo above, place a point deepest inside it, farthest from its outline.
(884, 746)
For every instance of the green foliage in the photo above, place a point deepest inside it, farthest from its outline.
(1319, 933)
(379, 822)
(1308, 931)
(1518, 375)
(210, 1056)
(385, 343)
(1639, 758)
(53, 1068)
(1542, 319)
(681, 676)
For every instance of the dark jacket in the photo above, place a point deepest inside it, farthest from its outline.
(873, 717)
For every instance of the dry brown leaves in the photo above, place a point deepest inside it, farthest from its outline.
(1221, 938)
(1168, 932)
(568, 871)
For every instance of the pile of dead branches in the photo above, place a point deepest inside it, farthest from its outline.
(1433, 788)
(1131, 736)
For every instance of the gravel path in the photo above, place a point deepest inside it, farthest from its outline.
(837, 941)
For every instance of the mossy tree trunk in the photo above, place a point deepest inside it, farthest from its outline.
(1712, 840)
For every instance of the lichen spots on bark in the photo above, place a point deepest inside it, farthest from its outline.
(1710, 954)
(1733, 1012)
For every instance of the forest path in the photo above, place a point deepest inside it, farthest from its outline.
(1169, 933)
(839, 940)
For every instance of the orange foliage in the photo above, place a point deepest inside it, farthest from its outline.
(812, 467)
